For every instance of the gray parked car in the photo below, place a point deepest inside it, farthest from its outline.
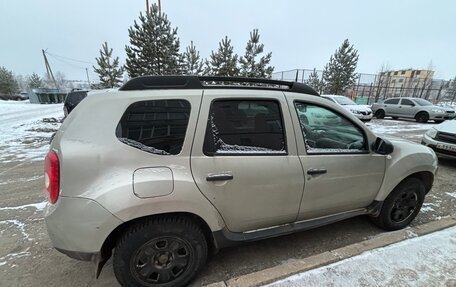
(168, 169)
(415, 108)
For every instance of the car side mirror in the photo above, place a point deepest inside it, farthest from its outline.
(383, 146)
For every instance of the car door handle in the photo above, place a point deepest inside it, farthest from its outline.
(314, 171)
(219, 177)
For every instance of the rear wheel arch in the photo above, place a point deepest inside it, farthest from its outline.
(112, 239)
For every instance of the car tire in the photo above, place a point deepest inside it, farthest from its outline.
(402, 205)
(422, 117)
(380, 114)
(164, 252)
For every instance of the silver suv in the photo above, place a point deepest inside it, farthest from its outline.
(414, 108)
(169, 168)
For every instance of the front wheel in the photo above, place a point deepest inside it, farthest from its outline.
(402, 205)
(162, 252)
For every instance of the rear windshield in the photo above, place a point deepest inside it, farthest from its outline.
(422, 102)
(75, 97)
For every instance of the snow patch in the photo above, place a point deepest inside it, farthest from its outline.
(420, 261)
(19, 224)
(452, 194)
(26, 129)
(14, 255)
(39, 206)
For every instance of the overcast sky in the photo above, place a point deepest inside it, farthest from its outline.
(301, 34)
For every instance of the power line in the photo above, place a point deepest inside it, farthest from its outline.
(69, 59)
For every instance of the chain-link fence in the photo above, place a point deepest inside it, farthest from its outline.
(370, 88)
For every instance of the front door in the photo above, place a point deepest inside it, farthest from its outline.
(245, 161)
(341, 173)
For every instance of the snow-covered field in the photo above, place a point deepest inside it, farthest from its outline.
(428, 260)
(25, 129)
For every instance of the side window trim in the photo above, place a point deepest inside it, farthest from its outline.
(366, 141)
(247, 153)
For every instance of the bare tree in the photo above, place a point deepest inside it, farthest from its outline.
(382, 81)
(427, 81)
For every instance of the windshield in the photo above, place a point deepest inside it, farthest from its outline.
(344, 101)
(422, 102)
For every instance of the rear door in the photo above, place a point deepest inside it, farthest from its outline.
(391, 107)
(244, 158)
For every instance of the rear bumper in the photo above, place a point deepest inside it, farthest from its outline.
(78, 227)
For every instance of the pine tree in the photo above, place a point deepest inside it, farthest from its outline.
(8, 84)
(451, 90)
(192, 63)
(314, 81)
(109, 71)
(339, 74)
(34, 81)
(223, 62)
(251, 66)
(154, 46)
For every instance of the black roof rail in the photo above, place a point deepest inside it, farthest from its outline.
(213, 82)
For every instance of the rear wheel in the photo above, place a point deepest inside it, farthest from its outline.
(402, 205)
(380, 114)
(422, 117)
(162, 252)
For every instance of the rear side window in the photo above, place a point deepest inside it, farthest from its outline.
(244, 127)
(407, 102)
(392, 102)
(157, 127)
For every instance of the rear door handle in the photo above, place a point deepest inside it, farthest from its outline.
(219, 177)
(314, 171)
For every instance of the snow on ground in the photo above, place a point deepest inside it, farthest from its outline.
(428, 260)
(25, 129)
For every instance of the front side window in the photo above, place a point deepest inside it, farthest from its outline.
(325, 131)
(157, 126)
(244, 127)
(392, 102)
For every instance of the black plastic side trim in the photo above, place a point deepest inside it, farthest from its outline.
(83, 256)
(224, 238)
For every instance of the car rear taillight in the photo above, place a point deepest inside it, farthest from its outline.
(52, 176)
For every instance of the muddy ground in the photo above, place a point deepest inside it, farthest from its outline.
(28, 259)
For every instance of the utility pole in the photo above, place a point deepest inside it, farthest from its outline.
(147, 6)
(159, 6)
(88, 80)
(48, 69)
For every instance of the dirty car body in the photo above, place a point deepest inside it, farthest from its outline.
(167, 169)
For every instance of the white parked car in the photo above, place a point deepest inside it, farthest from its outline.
(362, 112)
(442, 139)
